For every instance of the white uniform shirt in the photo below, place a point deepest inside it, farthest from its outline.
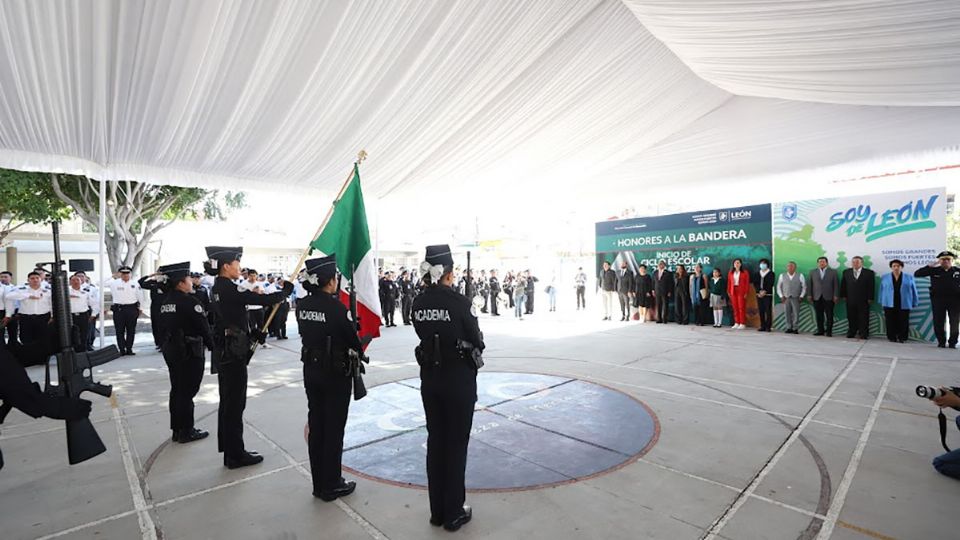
(4, 290)
(32, 301)
(83, 299)
(256, 286)
(124, 292)
(299, 290)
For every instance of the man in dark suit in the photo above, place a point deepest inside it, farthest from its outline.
(663, 290)
(625, 289)
(824, 287)
(858, 287)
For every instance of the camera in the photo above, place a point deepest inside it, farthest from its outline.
(931, 392)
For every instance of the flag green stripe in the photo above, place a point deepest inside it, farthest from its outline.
(346, 234)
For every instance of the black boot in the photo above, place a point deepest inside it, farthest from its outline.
(344, 489)
(190, 435)
(460, 520)
(243, 460)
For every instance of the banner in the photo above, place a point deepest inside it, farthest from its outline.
(712, 238)
(906, 225)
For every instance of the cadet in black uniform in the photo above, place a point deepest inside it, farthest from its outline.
(183, 331)
(155, 284)
(408, 291)
(388, 292)
(16, 390)
(328, 338)
(944, 295)
(446, 323)
(494, 293)
(232, 338)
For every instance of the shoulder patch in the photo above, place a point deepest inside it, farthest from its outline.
(473, 311)
(198, 308)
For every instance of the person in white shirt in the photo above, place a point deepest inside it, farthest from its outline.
(35, 307)
(8, 331)
(84, 310)
(255, 313)
(92, 332)
(127, 297)
(792, 288)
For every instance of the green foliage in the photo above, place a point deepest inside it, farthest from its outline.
(953, 232)
(27, 198)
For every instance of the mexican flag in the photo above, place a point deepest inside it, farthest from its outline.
(347, 236)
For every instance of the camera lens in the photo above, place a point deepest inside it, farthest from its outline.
(928, 392)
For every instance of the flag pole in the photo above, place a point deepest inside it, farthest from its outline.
(361, 155)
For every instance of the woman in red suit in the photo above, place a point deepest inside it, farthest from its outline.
(738, 283)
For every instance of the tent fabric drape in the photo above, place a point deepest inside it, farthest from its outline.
(512, 96)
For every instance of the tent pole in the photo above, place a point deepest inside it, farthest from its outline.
(102, 230)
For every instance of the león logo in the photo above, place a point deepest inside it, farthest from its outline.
(912, 216)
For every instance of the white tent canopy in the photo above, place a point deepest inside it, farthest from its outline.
(503, 96)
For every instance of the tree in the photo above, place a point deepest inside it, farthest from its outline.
(953, 232)
(27, 198)
(137, 211)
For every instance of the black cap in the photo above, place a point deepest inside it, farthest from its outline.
(439, 255)
(175, 272)
(124, 269)
(322, 267)
(224, 254)
(946, 254)
(195, 274)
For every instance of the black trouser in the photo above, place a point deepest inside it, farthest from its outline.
(125, 324)
(328, 401)
(256, 321)
(823, 309)
(80, 330)
(663, 308)
(581, 297)
(765, 307)
(858, 319)
(701, 313)
(681, 309)
(449, 394)
(898, 323)
(185, 365)
(232, 377)
(155, 320)
(278, 326)
(33, 327)
(494, 301)
(943, 308)
(389, 307)
(406, 304)
(624, 305)
(529, 302)
(91, 334)
(486, 301)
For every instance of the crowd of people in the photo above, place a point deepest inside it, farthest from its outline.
(683, 296)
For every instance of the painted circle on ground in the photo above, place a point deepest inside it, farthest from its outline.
(529, 431)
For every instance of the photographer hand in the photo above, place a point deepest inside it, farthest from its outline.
(949, 399)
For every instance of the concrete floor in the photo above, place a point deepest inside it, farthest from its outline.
(762, 436)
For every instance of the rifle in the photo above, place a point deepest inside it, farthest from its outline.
(74, 369)
(355, 359)
(468, 281)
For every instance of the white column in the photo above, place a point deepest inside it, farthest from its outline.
(102, 228)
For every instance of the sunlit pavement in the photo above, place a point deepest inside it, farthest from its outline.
(760, 436)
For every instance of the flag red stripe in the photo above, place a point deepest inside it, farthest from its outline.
(369, 321)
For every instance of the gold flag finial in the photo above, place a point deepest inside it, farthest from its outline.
(361, 155)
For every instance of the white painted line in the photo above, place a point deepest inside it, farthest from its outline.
(706, 400)
(147, 528)
(71, 530)
(736, 489)
(713, 532)
(368, 527)
(833, 514)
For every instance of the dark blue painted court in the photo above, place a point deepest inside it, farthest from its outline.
(530, 430)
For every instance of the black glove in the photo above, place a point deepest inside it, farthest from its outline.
(287, 288)
(64, 408)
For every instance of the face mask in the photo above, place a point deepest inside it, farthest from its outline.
(763, 266)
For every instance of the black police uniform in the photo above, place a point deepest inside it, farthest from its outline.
(407, 293)
(327, 335)
(231, 353)
(388, 295)
(448, 391)
(183, 331)
(157, 292)
(945, 297)
(16, 390)
(494, 294)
